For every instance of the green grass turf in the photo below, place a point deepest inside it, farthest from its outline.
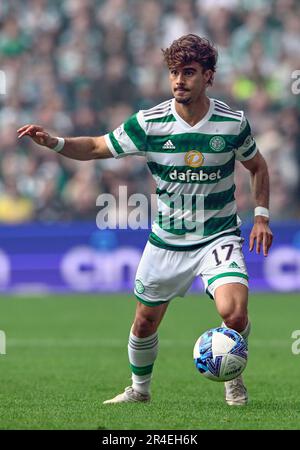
(66, 354)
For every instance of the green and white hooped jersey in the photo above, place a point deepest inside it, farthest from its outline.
(193, 167)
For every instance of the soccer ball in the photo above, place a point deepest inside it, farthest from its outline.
(220, 354)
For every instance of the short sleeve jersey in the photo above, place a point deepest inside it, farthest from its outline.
(193, 167)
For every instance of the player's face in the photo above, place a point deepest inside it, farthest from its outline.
(188, 82)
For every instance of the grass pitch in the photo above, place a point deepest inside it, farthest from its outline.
(66, 354)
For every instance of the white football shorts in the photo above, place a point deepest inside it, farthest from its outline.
(165, 274)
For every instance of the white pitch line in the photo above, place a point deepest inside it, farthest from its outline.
(70, 342)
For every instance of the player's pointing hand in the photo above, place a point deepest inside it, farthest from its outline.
(38, 135)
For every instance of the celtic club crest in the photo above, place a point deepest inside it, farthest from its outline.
(217, 143)
(139, 287)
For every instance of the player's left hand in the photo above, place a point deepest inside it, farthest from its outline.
(262, 234)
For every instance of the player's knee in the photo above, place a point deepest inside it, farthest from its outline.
(144, 326)
(236, 320)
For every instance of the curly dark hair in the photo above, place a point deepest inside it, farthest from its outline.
(189, 48)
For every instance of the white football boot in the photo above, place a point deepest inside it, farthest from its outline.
(129, 396)
(236, 392)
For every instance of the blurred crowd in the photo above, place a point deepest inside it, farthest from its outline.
(80, 67)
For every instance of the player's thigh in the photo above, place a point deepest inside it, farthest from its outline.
(224, 264)
(163, 275)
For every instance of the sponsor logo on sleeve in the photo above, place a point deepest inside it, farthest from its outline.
(248, 142)
(119, 131)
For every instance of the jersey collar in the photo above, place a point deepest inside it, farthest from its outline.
(198, 124)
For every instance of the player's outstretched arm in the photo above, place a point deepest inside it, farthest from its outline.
(80, 148)
(261, 232)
